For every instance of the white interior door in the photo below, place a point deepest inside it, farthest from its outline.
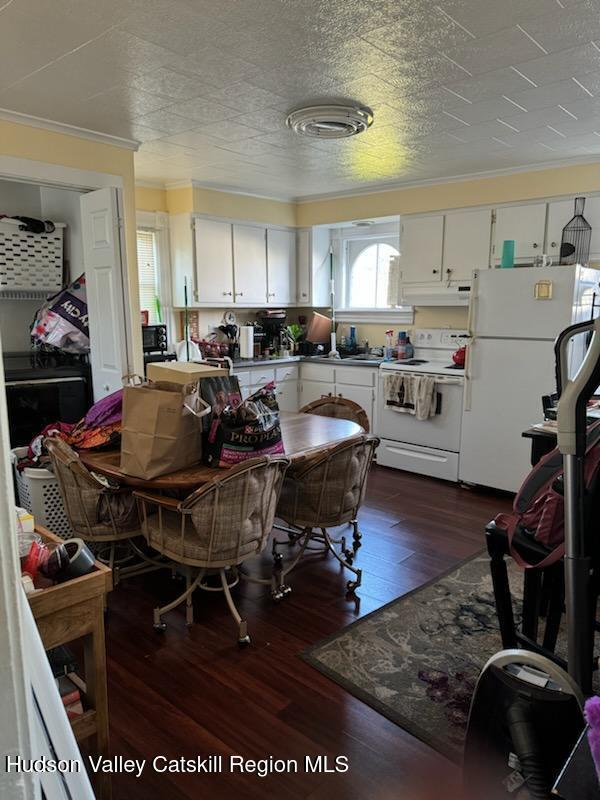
(104, 267)
(250, 264)
(281, 266)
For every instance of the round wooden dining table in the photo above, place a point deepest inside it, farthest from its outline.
(303, 435)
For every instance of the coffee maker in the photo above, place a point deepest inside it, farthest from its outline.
(269, 331)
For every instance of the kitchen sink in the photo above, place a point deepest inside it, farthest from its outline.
(361, 357)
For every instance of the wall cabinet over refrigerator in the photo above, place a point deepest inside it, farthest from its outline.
(525, 225)
(466, 243)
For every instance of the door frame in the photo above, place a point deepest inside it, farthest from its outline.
(16, 736)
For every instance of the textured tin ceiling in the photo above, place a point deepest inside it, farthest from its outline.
(457, 87)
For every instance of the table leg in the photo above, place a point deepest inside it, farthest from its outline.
(97, 695)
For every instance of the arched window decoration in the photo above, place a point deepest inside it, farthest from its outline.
(369, 275)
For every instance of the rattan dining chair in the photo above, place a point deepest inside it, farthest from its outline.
(215, 529)
(339, 408)
(325, 491)
(98, 512)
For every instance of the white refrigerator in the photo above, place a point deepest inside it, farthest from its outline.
(514, 317)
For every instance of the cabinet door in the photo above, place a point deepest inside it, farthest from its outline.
(250, 264)
(303, 261)
(313, 390)
(362, 395)
(526, 226)
(287, 395)
(320, 267)
(421, 249)
(467, 236)
(214, 262)
(281, 267)
(181, 241)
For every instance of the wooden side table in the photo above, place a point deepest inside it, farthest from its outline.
(72, 610)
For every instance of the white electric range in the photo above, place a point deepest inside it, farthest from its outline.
(431, 446)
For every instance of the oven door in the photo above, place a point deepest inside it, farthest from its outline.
(34, 404)
(441, 432)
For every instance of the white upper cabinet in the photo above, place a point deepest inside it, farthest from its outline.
(526, 225)
(214, 262)
(466, 243)
(250, 264)
(313, 267)
(421, 241)
(183, 267)
(281, 267)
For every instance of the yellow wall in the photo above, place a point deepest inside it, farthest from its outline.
(239, 206)
(150, 199)
(511, 188)
(37, 144)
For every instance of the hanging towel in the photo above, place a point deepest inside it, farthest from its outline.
(411, 394)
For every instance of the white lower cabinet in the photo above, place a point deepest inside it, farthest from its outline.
(287, 395)
(286, 380)
(314, 390)
(362, 395)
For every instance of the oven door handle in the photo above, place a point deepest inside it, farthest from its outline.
(44, 381)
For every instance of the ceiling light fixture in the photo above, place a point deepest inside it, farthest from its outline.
(330, 121)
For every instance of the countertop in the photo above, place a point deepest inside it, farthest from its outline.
(349, 362)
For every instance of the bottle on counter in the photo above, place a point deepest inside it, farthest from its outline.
(388, 353)
(410, 350)
(402, 346)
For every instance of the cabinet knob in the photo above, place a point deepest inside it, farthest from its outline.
(435, 271)
(448, 270)
(239, 294)
(552, 244)
(304, 294)
(270, 294)
(227, 293)
(535, 245)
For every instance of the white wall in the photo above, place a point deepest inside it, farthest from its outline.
(62, 205)
(15, 320)
(22, 199)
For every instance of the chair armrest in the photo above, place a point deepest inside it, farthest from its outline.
(158, 500)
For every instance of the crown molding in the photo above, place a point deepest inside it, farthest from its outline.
(149, 185)
(470, 176)
(69, 130)
(232, 190)
(179, 185)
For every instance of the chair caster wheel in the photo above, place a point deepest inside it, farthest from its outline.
(349, 556)
(351, 586)
(286, 590)
(277, 557)
(244, 642)
(160, 627)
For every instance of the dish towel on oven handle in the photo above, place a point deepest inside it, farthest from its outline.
(412, 394)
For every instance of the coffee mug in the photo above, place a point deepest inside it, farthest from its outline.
(542, 261)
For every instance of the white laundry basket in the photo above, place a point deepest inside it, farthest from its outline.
(39, 493)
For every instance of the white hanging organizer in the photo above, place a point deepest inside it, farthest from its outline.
(31, 264)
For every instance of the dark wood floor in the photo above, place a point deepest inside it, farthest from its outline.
(192, 691)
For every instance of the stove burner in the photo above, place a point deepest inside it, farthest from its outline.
(414, 361)
(454, 366)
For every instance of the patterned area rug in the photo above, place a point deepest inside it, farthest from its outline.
(416, 660)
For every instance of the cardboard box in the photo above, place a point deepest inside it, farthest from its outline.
(182, 371)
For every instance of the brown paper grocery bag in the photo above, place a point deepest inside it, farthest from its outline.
(162, 428)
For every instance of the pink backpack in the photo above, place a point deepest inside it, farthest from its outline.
(539, 507)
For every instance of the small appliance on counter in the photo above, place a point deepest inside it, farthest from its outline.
(154, 338)
(268, 332)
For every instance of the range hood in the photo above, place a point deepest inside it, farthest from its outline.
(436, 295)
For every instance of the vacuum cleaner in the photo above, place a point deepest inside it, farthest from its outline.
(526, 717)
(527, 712)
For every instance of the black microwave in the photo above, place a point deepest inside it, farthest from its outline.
(154, 338)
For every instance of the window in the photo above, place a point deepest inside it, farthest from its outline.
(369, 279)
(149, 279)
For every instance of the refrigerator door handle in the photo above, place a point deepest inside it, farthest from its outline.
(468, 377)
(472, 304)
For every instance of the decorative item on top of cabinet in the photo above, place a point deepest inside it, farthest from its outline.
(576, 237)
(313, 288)
(559, 214)
(525, 225)
(467, 242)
(421, 240)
